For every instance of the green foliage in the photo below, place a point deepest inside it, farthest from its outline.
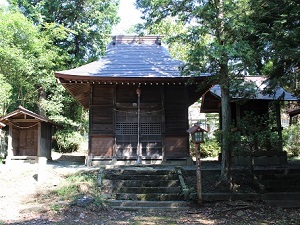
(217, 34)
(170, 29)
(68, 140)
(276, 37)
(87, 24)
(78, 185)
(5, 94)
(211, 148)
(39, 37)
(25, 58)
(291, 140)
(255, 134)
(3, 146)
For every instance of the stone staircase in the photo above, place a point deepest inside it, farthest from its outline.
(280, 187)
(149, 188)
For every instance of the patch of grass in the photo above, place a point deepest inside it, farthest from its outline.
(77, 186)
(81, 183)
(55, 207)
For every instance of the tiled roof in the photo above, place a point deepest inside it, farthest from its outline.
(131, 59)
(259, 85)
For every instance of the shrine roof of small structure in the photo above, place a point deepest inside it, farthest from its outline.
(22, 114)
(256, 86)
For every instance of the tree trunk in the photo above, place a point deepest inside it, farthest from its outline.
(42, 97)
(225, 97)
(226, 148)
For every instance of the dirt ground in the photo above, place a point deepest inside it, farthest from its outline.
(21, 203)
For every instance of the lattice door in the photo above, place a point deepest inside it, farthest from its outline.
(127, 133)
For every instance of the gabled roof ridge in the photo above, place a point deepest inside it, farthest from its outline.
(23, 110)
(278, 92)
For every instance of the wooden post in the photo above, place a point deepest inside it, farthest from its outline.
(40, 151)
(279, 127)
(139, 151)
(198, 173)
(10, 142)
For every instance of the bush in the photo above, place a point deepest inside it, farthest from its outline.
(210, 148)
(256, 134)
(67, 141)
(291, 140)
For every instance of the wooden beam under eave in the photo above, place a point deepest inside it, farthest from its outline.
(25, 120)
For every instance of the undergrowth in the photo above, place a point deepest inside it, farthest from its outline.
(81, 185)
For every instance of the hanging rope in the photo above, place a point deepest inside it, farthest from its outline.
(23, 127)
(130, 112)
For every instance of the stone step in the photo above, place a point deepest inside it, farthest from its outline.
(143, 188)
(152, 209)
(140, 177)
(276, 171)
(140, 183)
(281, 196)
(149, 190)
(288, 188)
(130, 203)
(282, 199)
(149, 197)
(138, 171)
(284, 204)
(219, 196)
(293, 176)
(281, 183)
(166, 206)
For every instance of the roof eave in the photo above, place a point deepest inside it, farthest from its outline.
(67, 78)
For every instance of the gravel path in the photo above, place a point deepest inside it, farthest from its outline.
(20, 182)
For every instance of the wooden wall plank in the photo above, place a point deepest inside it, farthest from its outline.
(176, 146)
(102, 146)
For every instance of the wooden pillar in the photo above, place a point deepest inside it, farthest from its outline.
(10, 152)
(163, 121)
(279, 127)
(89, 157)
(139, 147)
(198, 173)
(39, 147)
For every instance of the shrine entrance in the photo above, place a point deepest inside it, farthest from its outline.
(132, 132)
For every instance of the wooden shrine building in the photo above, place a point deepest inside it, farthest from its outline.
(254, 100)
(29, 135)
(137, 101)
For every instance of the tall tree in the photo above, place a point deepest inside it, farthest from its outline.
(170, 29)
(89, 24)
(217, 31)
(5, 94)
(276, 36)
(25, 59)
(78, 30)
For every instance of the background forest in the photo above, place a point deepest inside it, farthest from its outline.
(226, 38)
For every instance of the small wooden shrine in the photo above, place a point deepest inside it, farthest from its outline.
(294, 116)
(137, 101)
(29, 135)
(256, 101)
